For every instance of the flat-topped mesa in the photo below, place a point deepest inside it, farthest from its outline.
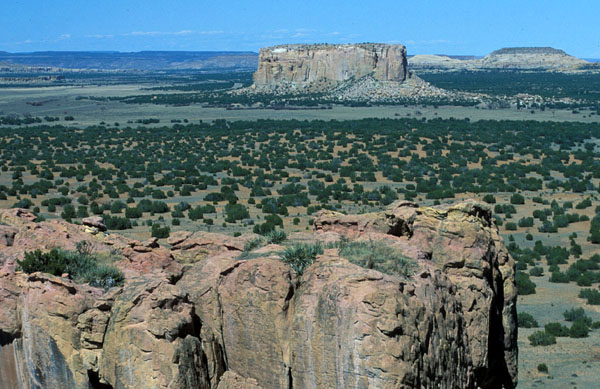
(528, 50)
(531, 58)
(305, 64)
(517, 58)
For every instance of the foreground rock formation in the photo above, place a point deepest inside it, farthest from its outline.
(223, 322)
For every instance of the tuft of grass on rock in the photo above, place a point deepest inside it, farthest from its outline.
(378, 256)
(300, 256)
(250, 246)
(276, 236)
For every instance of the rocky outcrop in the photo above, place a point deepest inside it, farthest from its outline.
(366, 72)
(191, 247)
(305, 64)
(462, 241)
(225, 322)
(431, 62)
(94, 222)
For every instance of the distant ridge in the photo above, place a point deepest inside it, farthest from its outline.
(528, 50)
(142, 60)
(522, 58)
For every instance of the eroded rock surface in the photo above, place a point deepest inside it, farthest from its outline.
(322, 63)
(224, 322)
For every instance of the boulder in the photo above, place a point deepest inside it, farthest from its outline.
(94, 221)
(188, 247)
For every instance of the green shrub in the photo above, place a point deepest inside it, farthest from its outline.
(517, 199)
(525, 320)
(377, 255)
(68, 212)
(300, 256)
(584, 204)
(235, 212)
(489, 198)
(526, 222)
(276, 236)
(271, 222)
(536, 271)
(133, 213)
(510, 226)
(160, 232)
(542, 368)
(253, 244)
(116, 222)
(104, 276)
(524, 285)
(538, 200)
(81, 266)
(556, 329)
(54, 262)
(263, 228)
(579, 329)
(591, 295)
(575, 314)
(541, 338)
(559, 277)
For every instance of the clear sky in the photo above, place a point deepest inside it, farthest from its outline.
(473, 27)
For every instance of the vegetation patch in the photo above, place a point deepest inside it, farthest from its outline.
(301, 256)
(378, 256)
(524, 285)
(542, 368)
(525, 320)
(81, 266)
(541, 338)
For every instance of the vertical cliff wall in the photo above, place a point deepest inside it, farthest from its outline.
(332, 63)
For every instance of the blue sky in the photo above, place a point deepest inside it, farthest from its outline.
(428, 26)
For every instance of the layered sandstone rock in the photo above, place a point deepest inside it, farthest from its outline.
(231, 323)
(330, 63)
(366, 72)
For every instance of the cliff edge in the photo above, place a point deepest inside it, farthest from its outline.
(226, 320)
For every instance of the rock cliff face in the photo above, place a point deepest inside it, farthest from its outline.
(367, 72)
(330, 63)
(221, 322)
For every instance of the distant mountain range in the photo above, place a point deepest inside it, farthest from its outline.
(143, 60)
(520, 57)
